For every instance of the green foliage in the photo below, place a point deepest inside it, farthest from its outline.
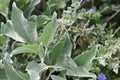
(77, 72)
(4, 7)
(68, 45)
(55, 5)
(19, 28)
(2, 74)
(28, 49)
(49, 31)
(109, 54)
(2, 39)
(58, 3)
(116, 8)
(11, 73)
(56, 78)
(42, 20)
(31, 7)
(60, 50)
(86, 58)
(35, 69)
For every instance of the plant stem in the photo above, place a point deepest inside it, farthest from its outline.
(116, 31)
(50, 74)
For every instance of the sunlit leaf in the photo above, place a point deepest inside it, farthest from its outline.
(73, 70)
(8, 30)
(33, 48)
(19, 28)
(68, 63)
(57, 3)
(80, 72)
(57, 78)
(49, 31)
(26, 30)
(34, 69)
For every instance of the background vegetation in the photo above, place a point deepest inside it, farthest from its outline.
(60, 40)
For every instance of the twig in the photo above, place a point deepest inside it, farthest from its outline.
(111, 17)
(50, 74)
(81, 1)
(86, 24)
(116, 30)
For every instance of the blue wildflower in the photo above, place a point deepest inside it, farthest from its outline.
(101, 76)
(88, 0)
(91, 11)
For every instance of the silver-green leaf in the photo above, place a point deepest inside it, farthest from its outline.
(31, 7)
(30, 48)
(4, 7)
(62, 49)
(25, 29)
(11, 73)
(57, 77)
(34, 69)
(86, 58)
(49, 31)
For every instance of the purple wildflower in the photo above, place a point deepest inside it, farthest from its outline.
(101, 76)
(88, 0)
(91, 11)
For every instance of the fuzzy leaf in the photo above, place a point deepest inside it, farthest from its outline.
(11, 73)
(8, 30)
(57, 3)
(57, 78)
(3, 75)
(34, 69)
(58, 53)
(49, 31)
(86, 58)
(80, 72)
(28, 49)
(4, 7)
(31, 7)
(73, 70)
(2, 39)
(26, 30)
